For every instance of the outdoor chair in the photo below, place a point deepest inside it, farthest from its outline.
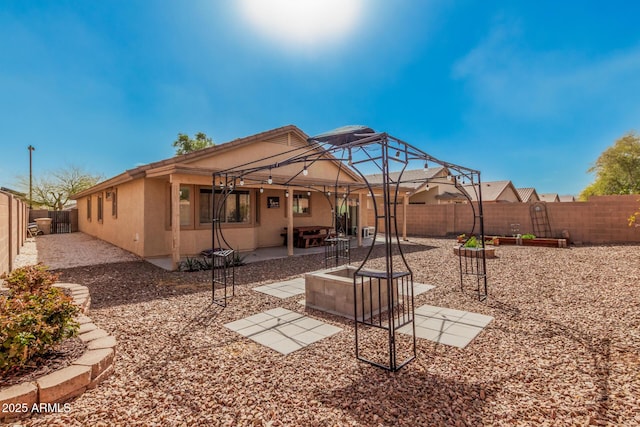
(33, 230)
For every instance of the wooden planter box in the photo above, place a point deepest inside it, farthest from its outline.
(538, 241)
(474, 252)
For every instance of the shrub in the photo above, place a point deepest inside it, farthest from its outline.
(29, 279)
(528, 236)
(472, 242)
(34, 317)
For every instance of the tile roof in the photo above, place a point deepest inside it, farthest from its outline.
(526, 194)
(491, 191)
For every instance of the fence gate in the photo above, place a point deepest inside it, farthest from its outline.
(60, 222)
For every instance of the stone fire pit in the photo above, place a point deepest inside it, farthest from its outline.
(331, 290)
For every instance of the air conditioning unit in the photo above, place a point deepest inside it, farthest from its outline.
(365, 232)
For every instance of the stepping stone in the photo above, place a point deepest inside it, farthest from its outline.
(282, 330)
(447, 326)
(283, 290)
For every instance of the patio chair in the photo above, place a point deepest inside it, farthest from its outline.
(33, 230)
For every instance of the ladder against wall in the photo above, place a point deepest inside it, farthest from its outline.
(540, 219)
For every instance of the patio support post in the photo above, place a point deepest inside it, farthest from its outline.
(362, 210)
(405, 205)
(290, 224)
(175, 222)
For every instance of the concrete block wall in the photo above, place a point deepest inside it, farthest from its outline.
(14, 216)
(601, 220)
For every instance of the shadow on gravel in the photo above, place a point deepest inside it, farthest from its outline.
(407, 397)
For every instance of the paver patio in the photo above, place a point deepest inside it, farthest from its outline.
(447, 326)
(282, 330)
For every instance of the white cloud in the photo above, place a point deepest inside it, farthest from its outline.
(504, 74)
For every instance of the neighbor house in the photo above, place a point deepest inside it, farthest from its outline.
(424, 186)
(494, 192)
(549, 197)
(164, 209)
(528, 194)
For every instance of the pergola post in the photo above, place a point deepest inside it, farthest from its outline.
(290, 224)
(405, 205)
(362, 216)
(175, 222)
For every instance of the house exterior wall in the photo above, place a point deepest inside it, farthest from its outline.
(274, 220)
(125, 230)
(601, 220)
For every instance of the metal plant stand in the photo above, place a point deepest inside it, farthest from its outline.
(337, 250)
(223, 273)
(473, 261)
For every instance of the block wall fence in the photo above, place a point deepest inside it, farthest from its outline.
(14, 216)
(601, 220)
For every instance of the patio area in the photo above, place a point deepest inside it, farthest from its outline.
(559, 345)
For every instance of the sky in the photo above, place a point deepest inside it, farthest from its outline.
(525, 91)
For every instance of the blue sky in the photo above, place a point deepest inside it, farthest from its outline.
(527, 91)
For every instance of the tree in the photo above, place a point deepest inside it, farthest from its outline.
(185, 145)
(617, 169)
(55, 189)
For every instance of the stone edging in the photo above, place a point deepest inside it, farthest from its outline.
(85, 373)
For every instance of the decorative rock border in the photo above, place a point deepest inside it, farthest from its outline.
(85, 373)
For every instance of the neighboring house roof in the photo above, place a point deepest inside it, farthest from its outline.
(567, 198)
(493, 191)
(185, 163)
(413, 179)
(528, 194)
(549, 197)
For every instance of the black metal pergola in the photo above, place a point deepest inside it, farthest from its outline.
(383, 290)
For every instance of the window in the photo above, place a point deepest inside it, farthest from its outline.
(185, 206)
(100, 207)
(236, 209)
(89, 208)
(301, 204)
(114, 203)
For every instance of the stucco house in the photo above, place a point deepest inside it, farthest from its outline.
(164, 209)
(549, 197)
(528, 194)
(438, 188)
(495, 192)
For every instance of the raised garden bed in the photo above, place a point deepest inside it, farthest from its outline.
(538, 241)
(474, 252)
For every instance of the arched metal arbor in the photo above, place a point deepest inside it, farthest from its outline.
(386, 284)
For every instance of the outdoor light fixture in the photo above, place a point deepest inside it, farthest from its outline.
(308, 193)
(448, 177)
(305, 172)
(241, 181)
(344, 195)
(328, 193)
(270, 180)
(286, 193)
(426, 166)
(221, 184)
(398, 153)
(261, 189)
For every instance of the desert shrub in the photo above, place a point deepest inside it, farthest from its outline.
(34, 316)
(528, 236)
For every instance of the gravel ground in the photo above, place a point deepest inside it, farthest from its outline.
(563, 348)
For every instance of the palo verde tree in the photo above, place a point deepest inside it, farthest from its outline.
(184, 144)
(54, 189)
(617, 169)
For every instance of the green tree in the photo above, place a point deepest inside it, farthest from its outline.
(185, 145)
(617, 169)
(54, 189)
